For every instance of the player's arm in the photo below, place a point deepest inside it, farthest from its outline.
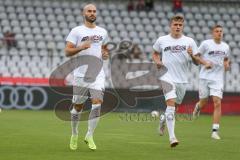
(200, 60)
(105, 52)
(157, 59)
(190, 53)
(226, 63)
(71, 49)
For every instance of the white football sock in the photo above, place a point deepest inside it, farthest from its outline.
(94, 117)
(75, 117)
(215, 127)
(170, 120)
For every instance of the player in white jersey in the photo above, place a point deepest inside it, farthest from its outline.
(213, 55)
(87, 39)
(174, 56)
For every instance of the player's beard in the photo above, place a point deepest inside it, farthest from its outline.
(90, 19)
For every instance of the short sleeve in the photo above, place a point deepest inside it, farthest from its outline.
(194, 47)
(105, 38)
(157, 46)
(202, 48)
(228, 51)
(72, 37)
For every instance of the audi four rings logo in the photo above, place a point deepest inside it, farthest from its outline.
(21, 97)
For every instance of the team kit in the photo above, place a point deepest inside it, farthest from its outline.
(175, 51)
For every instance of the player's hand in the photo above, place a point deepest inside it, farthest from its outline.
(85, 45)
(190, 51)
(208, 65)
(105, 54)
(159, 64)
(227, 66)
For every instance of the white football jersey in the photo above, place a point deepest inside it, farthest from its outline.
(175, 57)
(98, 37)
(215, 53)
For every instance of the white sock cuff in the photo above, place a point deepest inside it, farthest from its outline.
(74, 111)
(95, 106)
(170, 109)
(215, 126)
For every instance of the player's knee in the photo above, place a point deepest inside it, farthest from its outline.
(171, 102)
(96, 111)
(78, 107)
(203, 102)
(217, 103)
(97, 101)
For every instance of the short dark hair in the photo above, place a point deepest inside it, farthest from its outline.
(177, 18)
(216, 26)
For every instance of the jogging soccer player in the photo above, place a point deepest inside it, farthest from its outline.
(213, 57)
(173, 49)
(87, 39)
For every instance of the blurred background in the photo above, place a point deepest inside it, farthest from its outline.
(33, 32)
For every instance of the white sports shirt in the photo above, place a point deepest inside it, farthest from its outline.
(98, 37)
(215, 53)
(175, 57)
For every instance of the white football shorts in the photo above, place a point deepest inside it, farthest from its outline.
(210, 88)
(82, 90)
(177, 92)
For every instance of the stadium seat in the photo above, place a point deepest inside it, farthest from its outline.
(2, 9)
(133, 14)
(145, 21)
(3, 51)
(189, 16)
(232, 44)
(29, 37)
(161, 15)
(217, 17)
(41, 45)
(31, 45)
(230, 24)
(155, 21)
(149, 27)
(203, 10)
(21, 44)
(24, 23)
(46, 31)
(10, 9)
(5, 22)
(47, 23)
(24, 54)
(41, 18)
(48, 37)
(3, 15)
(133, 34)
(222, 23)
(139, 27)
(231, 10)
(235, 17)
(123, 34)
(67, 11)
(142, 14)
(12, 16)
(195, 9)
(17, 30)
(58, 37)
(72, 24)
(237, 37)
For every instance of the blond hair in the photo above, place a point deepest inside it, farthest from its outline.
(177, 18)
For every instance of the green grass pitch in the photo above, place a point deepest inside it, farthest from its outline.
(40, 135)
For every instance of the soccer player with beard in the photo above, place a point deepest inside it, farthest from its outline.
(171, 51)
(87, 39)
(213, 57)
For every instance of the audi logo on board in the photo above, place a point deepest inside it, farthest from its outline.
(21, 97)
